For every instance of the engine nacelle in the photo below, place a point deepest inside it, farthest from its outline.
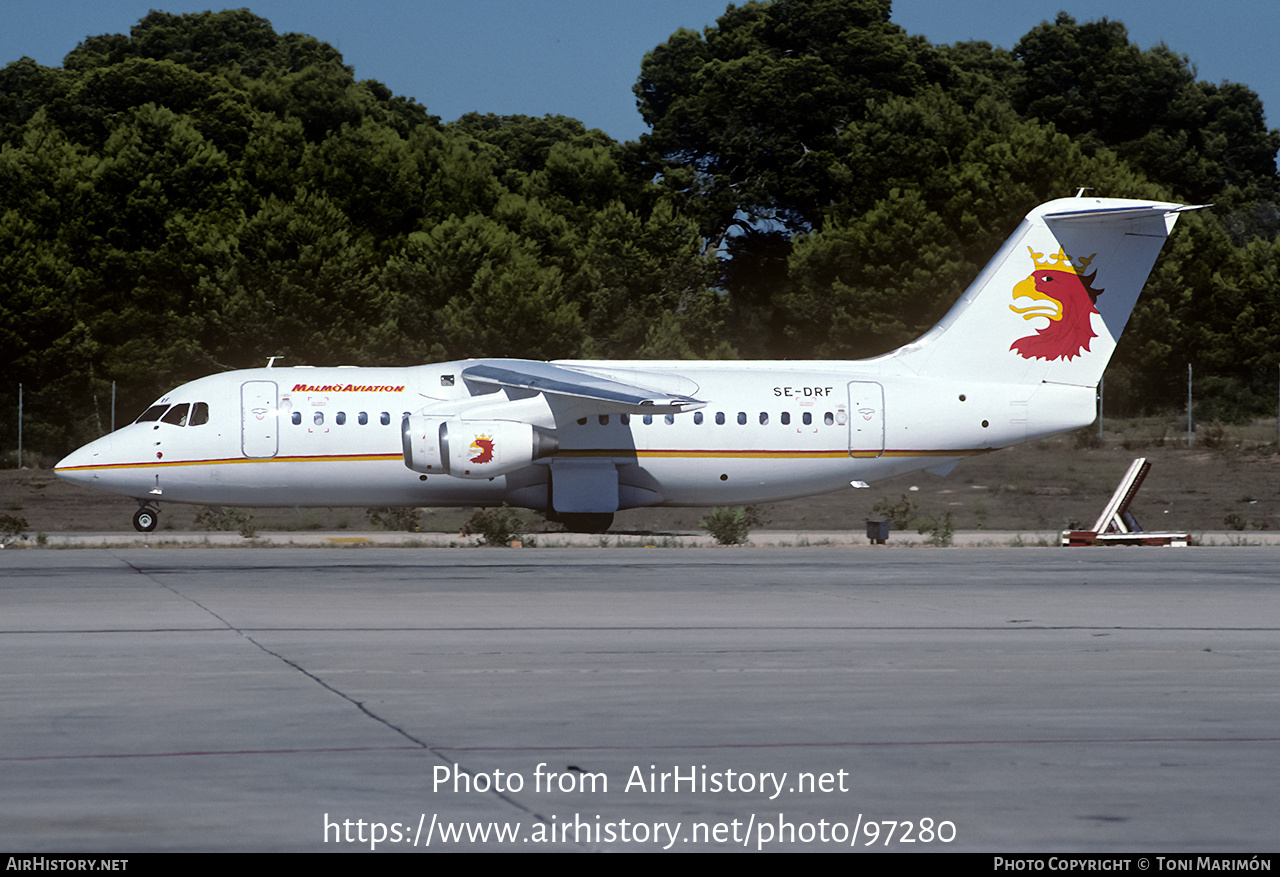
(472, 448)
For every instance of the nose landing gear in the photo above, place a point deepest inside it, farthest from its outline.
(145, 519)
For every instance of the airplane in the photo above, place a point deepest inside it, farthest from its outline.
(1017, 358)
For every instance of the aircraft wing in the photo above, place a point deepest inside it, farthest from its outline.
(558, 380)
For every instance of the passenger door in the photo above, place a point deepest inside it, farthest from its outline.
(866, 419)
(258, 427)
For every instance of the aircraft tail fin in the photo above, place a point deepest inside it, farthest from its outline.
(1050, 305)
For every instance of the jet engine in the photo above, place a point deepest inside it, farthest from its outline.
(472, 448)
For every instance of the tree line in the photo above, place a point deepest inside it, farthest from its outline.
(203, 193)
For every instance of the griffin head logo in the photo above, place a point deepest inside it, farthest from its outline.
(1060, 291)
(482, 447)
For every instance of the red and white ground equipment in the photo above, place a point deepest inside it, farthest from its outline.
(1117, 525)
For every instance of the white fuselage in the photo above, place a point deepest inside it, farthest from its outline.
(768, 431)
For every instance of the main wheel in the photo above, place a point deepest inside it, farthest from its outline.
(145, 520)
(587, 523)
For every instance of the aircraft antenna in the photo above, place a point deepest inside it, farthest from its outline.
(1082, 189)
(271, 360)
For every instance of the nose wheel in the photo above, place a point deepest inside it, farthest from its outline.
(145, 519)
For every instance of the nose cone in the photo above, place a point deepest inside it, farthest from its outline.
(84, 466)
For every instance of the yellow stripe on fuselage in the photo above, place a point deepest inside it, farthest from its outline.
(689, 454)
(227, 461)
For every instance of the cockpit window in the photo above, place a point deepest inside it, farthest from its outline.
(152, 413)
(177, 415)
(199, 414)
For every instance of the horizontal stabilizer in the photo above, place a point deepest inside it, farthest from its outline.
(1102, 214)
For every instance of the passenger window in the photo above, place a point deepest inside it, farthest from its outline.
(362, 418)
(385, 419)
(297, 418)
(786, 418)
(828, 418)
(582, 421)
(670, 418)
(604, 419)
(626, 419)
(318, 418)
(808, 418)
(720, 418)
(742, 418)
(340, 418)
(177, 415)
(697, 417)
(648, 419)
(764, 418)
(199, 414)
(152, 413)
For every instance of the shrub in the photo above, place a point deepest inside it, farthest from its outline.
(1212, 435)
(939, 527)
(1087, 438)
(228, 519)
(1229, 400)
(12, 528)
(899, 514)
(496, 527)
(728, 526)
(399, 519)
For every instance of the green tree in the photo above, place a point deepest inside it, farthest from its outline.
(753, 107)
(1097, 87)
(522, 144)
(25, 89)
(942, 187)
(297, 284)
(471, 287)
(644, 286)
(101, 95)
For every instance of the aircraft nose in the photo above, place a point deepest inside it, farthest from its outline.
(80, 466)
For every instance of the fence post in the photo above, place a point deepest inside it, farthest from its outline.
(1188, 404)
(1102, 390)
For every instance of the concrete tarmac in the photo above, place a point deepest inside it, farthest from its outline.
(1111, 699)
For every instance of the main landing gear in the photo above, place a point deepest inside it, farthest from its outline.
(596, 522)
(145, 519)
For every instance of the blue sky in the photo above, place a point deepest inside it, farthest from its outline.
(580, 58)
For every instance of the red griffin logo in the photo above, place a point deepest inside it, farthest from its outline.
(482, 447)
(1066, 296)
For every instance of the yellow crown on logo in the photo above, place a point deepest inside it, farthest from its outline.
(1060, 261)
